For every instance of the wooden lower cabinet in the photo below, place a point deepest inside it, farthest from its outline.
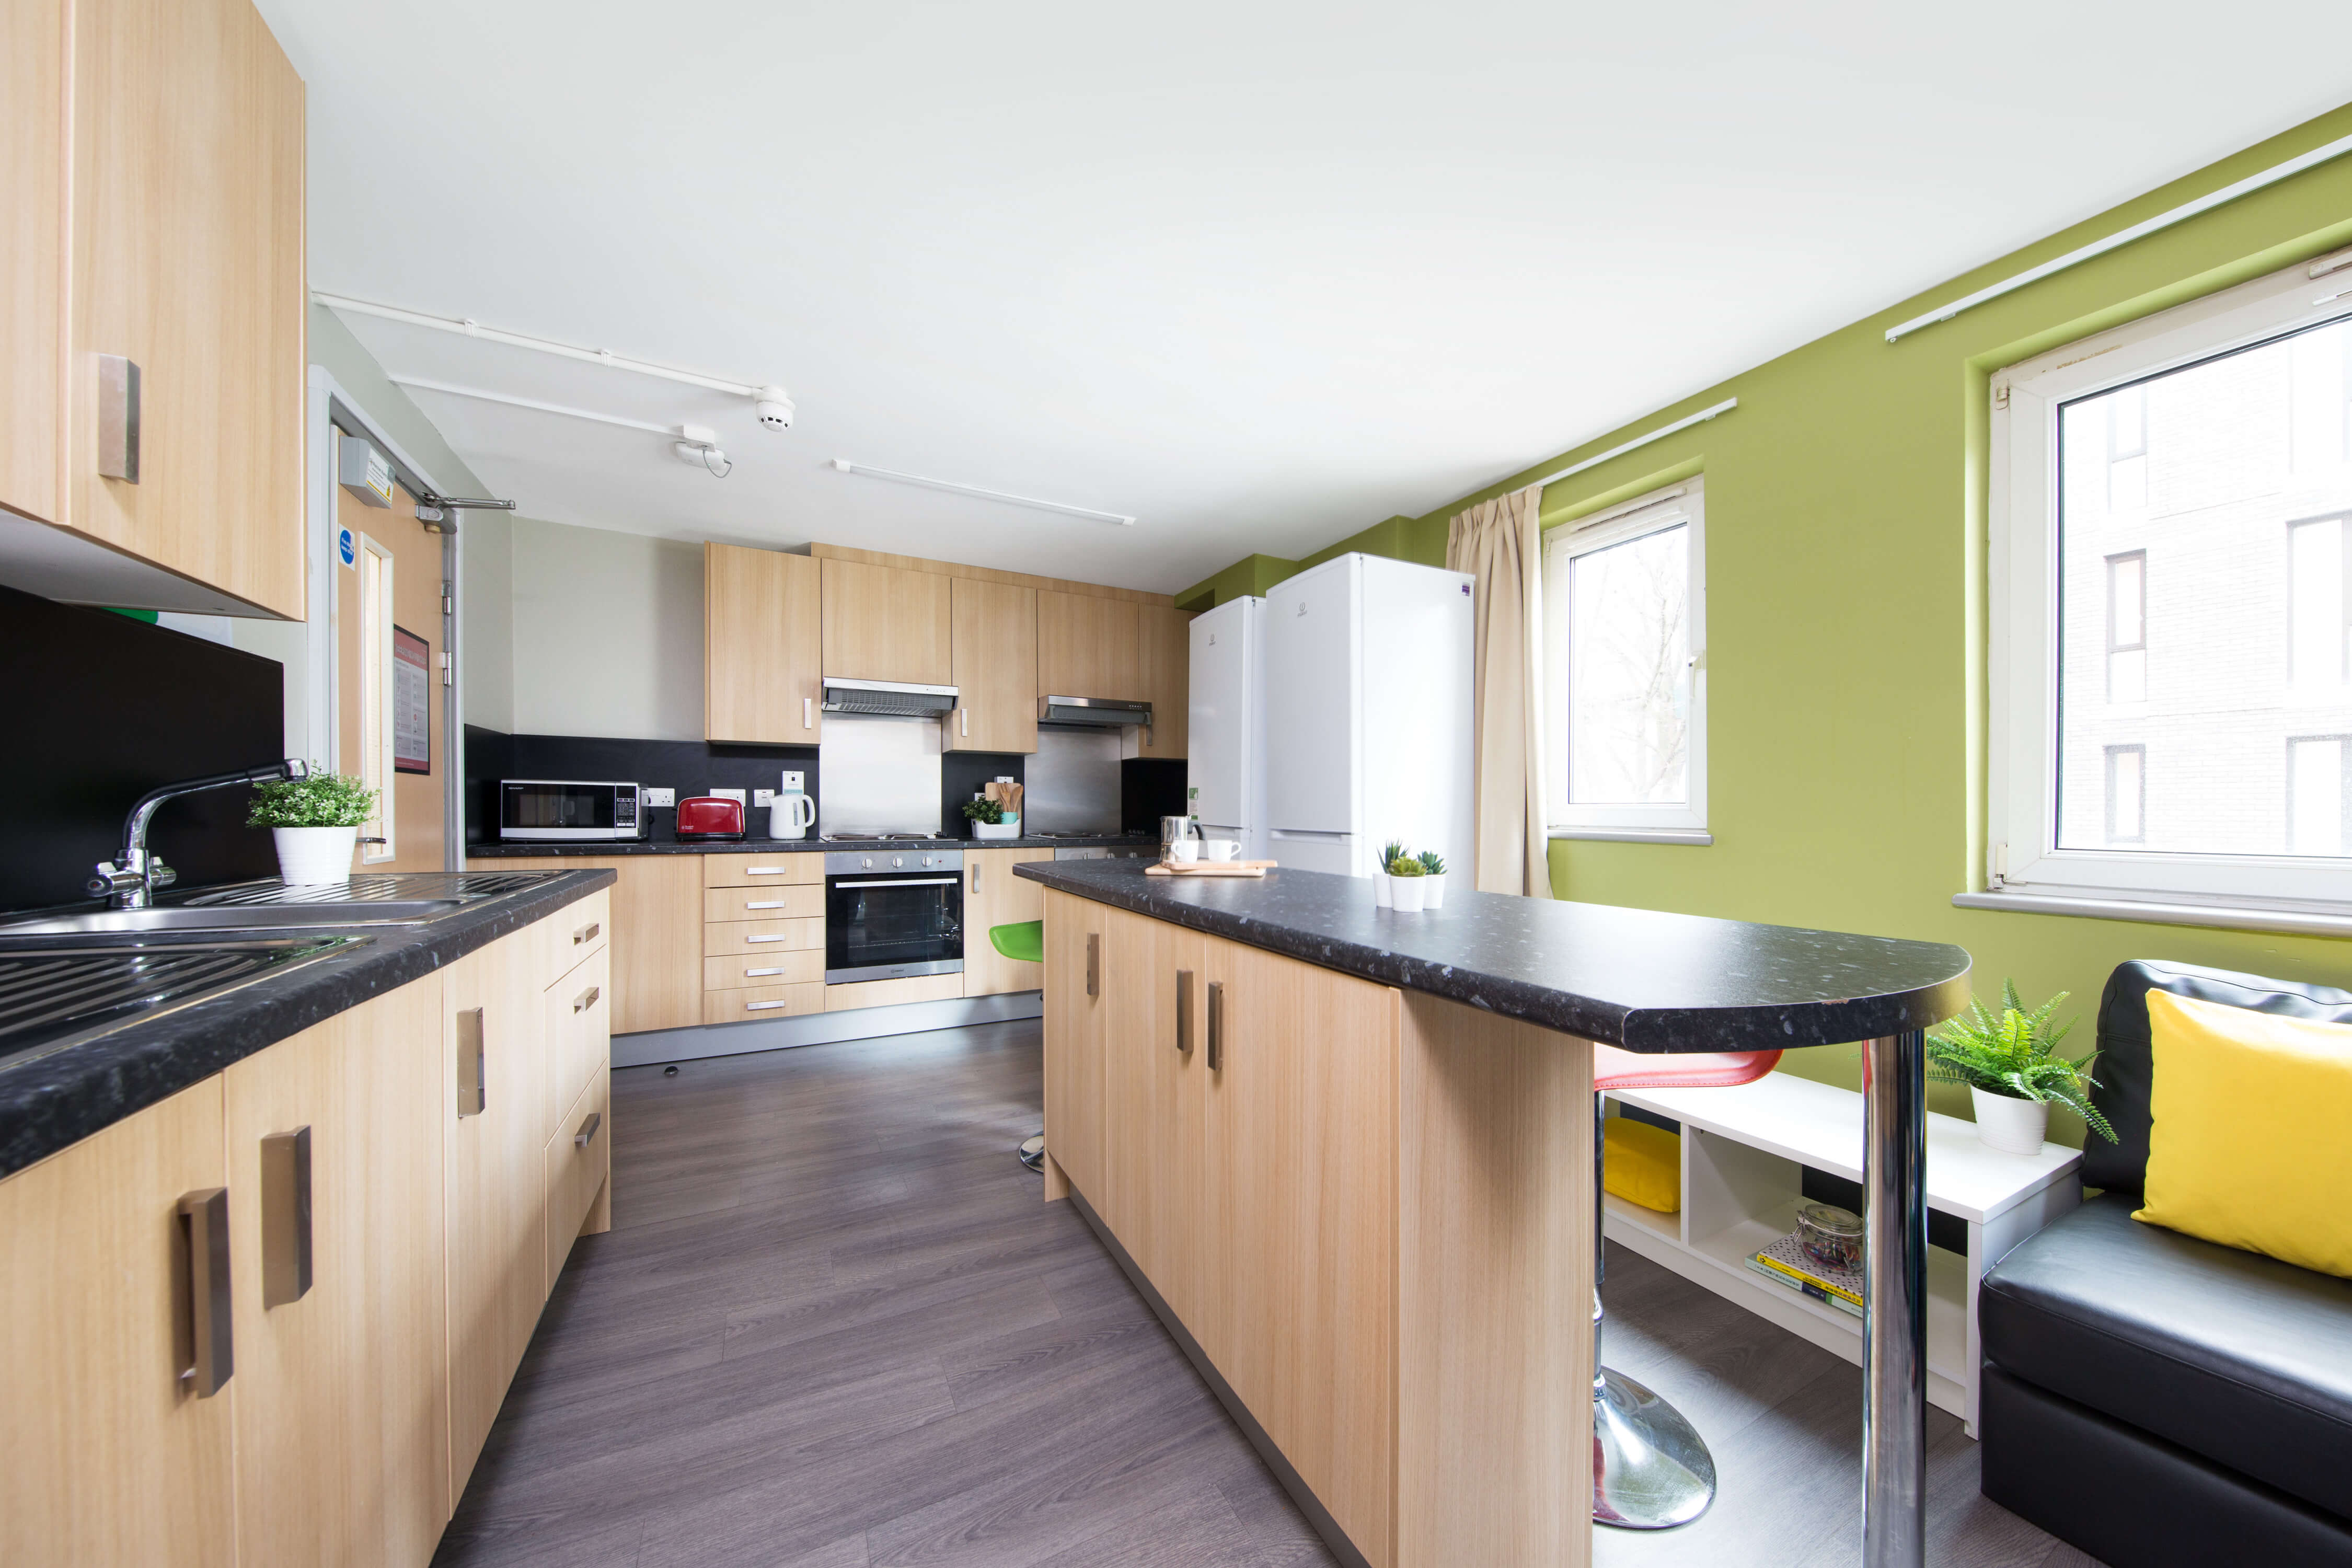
(656, 931)
(890, 992)
(494, 1121)
(1370, 1210)
(993, 896)
(341, 1402)
(578, 1159)
(108, 1455)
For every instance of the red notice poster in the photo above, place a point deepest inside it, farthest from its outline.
(412, 703)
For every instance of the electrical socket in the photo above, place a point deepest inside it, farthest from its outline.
(763, 798)
(660, 797)
(734, 795)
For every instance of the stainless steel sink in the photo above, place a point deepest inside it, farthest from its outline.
(167, 918)
(54, 996)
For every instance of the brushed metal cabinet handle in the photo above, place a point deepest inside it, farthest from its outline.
(587, 999)
(1094, 963)
(767, 903)
(777, 936)
(767, 870)
(473, 1088)
(587, 932)
(808, 713)
(587, 1133)
(770, 969)
(1216, 1025)
(285, 1217)
(975, 878)
(117, 418)
(1183, 1010)
(206, 1350)
(966, 715)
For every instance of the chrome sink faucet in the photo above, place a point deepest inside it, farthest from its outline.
(130, 880)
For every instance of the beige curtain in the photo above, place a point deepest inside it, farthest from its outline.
(1500, 540)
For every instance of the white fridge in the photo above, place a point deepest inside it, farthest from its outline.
(1369, 714)
(1225, 726)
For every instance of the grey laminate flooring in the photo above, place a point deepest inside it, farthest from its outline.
(834, 1327)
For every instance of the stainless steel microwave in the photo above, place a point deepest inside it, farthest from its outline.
(562, 810)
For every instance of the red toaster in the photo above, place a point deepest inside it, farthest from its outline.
(709, 816)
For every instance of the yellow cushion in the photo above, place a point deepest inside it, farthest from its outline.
(2253, 1139)
(1642, 1164)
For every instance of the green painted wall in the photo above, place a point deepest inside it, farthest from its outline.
(1846, 617)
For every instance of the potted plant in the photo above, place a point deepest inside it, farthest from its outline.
(1408, 883)
(316, 821)
(1433, 883)
(1384, 890)
(987, 818)
(2011, 1064)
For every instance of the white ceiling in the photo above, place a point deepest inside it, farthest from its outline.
(1259, 274)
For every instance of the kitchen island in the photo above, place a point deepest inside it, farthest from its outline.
(1346, 1152)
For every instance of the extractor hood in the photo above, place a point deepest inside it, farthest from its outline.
(1103, 712)
(892, 698)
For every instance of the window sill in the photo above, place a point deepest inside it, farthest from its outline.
(2225, 917)
(1634, 835)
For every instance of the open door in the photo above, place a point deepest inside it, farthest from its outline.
(390, 695)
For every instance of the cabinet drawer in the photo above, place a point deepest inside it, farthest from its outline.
(577, 930)
(796, 967)
(579, 1032)
(745, 1002)
(721, 938)
(579, 1159)
(772, 903)
(885, 992)
(799, 868)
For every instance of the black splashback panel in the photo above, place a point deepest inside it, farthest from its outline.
(103, 708)
(690, 767)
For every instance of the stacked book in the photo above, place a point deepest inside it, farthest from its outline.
(1785, 1263)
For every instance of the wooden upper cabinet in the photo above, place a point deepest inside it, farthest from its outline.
(886, 623)
(994, 638)
(33, 262)
(763, 651)
(1089, 646)
(1166, 678)
(186, 236)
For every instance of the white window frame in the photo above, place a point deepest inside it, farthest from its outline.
(376, 771)
(1681, 503)
(2022, 857)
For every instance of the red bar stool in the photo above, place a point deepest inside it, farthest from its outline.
(1650, 1469)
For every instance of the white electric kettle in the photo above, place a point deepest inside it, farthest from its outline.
(791, 814)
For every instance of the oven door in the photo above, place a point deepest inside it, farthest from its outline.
(885, 927)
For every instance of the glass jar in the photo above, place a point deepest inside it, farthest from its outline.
(1830, 1236)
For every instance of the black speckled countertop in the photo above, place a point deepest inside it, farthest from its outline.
(1642, 979)
(513, 850)
(47, 1102)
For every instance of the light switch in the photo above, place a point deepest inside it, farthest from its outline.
(660, 797)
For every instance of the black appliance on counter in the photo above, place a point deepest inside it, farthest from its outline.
(890, 913)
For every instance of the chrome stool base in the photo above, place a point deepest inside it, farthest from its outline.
(1650, 1469)
(1033, 1151)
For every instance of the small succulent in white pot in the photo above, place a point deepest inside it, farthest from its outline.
(1433, 876)
(1408, 884)
(1383, 889)
(316, 821)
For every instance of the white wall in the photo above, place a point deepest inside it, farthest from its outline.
(607, 633)
(486, 618)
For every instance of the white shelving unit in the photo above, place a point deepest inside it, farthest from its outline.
(1741, 1151)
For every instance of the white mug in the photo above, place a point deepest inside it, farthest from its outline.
(1184, 851)
(1222, 848)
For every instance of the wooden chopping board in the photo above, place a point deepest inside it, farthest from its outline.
(1212, 868)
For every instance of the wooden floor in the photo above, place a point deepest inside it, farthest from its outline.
(833, 1326)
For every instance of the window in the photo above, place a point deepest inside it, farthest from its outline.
(2172, 605)
(1625, 726)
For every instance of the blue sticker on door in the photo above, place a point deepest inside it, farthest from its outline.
(345, 548)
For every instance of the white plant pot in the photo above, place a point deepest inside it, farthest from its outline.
(2011, 1126)
(314, 857)
(1009, 828)
(1381, 896)
(1407, 893)
(1432, 891)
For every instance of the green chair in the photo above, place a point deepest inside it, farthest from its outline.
(1025, 941)
(1022, 939)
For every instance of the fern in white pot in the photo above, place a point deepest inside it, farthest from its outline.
(316, 821)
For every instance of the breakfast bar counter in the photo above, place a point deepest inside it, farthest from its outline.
(1347, 1153)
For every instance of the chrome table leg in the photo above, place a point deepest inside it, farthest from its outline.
(1894, 1324)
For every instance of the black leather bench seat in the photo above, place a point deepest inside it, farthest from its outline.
(2240, 1358)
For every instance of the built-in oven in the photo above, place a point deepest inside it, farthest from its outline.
(560, 811)
(890, 913)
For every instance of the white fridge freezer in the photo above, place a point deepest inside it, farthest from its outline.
(1225, 736)
(1368, 713)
